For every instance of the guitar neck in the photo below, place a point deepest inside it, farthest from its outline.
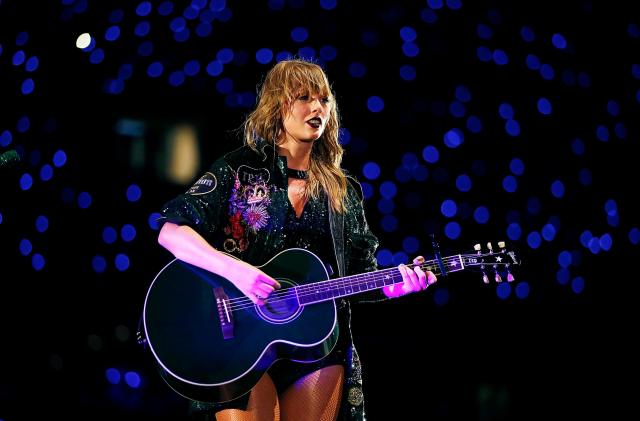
(356, 284)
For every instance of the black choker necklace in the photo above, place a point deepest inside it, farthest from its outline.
(300, 174)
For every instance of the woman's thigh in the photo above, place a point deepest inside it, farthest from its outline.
(315, 396)
(263, 404)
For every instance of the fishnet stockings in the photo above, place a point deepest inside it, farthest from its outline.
(315, 397)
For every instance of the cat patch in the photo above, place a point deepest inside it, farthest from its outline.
(205, 184)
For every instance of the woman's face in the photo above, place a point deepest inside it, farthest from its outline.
(306, 119)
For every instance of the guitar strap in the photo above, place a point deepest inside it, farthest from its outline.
(336, 225)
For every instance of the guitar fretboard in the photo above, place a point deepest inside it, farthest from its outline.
(355, 284)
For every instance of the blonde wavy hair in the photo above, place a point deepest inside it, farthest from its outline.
(284, 83)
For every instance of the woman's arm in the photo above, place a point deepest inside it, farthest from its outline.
(189, 246)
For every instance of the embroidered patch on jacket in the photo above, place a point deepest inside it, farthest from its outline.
(355, 396)
(247, 207)
(249, 175)
(205, 184)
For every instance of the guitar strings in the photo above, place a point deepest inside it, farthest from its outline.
(245, 302)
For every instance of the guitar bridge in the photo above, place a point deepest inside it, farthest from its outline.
(225, 315)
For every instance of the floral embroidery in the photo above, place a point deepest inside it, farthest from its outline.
(248, 210)
(256, 216)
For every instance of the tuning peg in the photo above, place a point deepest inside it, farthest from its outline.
(485, 278)
(501, 244)
(490, 247)
(477, 247)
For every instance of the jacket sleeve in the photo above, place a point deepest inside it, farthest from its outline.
(361, 243)
(204, 205)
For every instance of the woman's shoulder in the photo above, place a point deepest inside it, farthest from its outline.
(243, 155)
(354, 188)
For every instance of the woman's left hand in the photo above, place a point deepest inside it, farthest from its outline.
(414, 280)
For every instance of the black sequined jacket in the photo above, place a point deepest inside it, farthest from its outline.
(239, 206)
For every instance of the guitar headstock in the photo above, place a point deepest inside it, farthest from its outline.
(493, 262)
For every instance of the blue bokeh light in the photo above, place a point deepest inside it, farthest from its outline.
(481, 214)
(153, 219)
(299, 34)
(384, 257)
(134, 192)
(452, 230)
(84, 200)
(512, 127)
(37, 261)
(474, 124)
(548, 232)
(99, 264)
(407, 72)
(577, 146)
(6, 138)
(97, 56)
(389, 223)
(503, 291)
(26, 181)
(430, 154)
(559, 41)
(453, 138)
(357, 69)
(449, 208)
(534, 240)
(112, 33)
(510, 184)
(371, 170)
(386, 206)
(484, 54)
(516, 166)
(46, 172)
(522, 290)
(128, 232)
(602, 133)
(328, 4)
(112, 375)
(42, 223)
(585, 177)
(375, 104)
(388, 189)
(122, 262)
(264, 56)
(557, 188)
(28, 86)
(408, 34)
(606, 241)
(25, 247)
(411, 244)
(441, 297)
(400, 258)
(544, 106)
(533, 62)
(562, 276)
(463, 183)
(500, 57)
(564, 258)
(109, 235)
(577, 284)
(547, 72)
(132, 379)
(506, 111)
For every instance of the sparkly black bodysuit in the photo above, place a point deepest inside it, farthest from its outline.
(241, 206)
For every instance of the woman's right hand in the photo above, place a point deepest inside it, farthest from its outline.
(253, 282)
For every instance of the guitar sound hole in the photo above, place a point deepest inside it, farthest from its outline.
(282, 306)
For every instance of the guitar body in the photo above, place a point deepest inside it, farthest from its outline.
(183, 318)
